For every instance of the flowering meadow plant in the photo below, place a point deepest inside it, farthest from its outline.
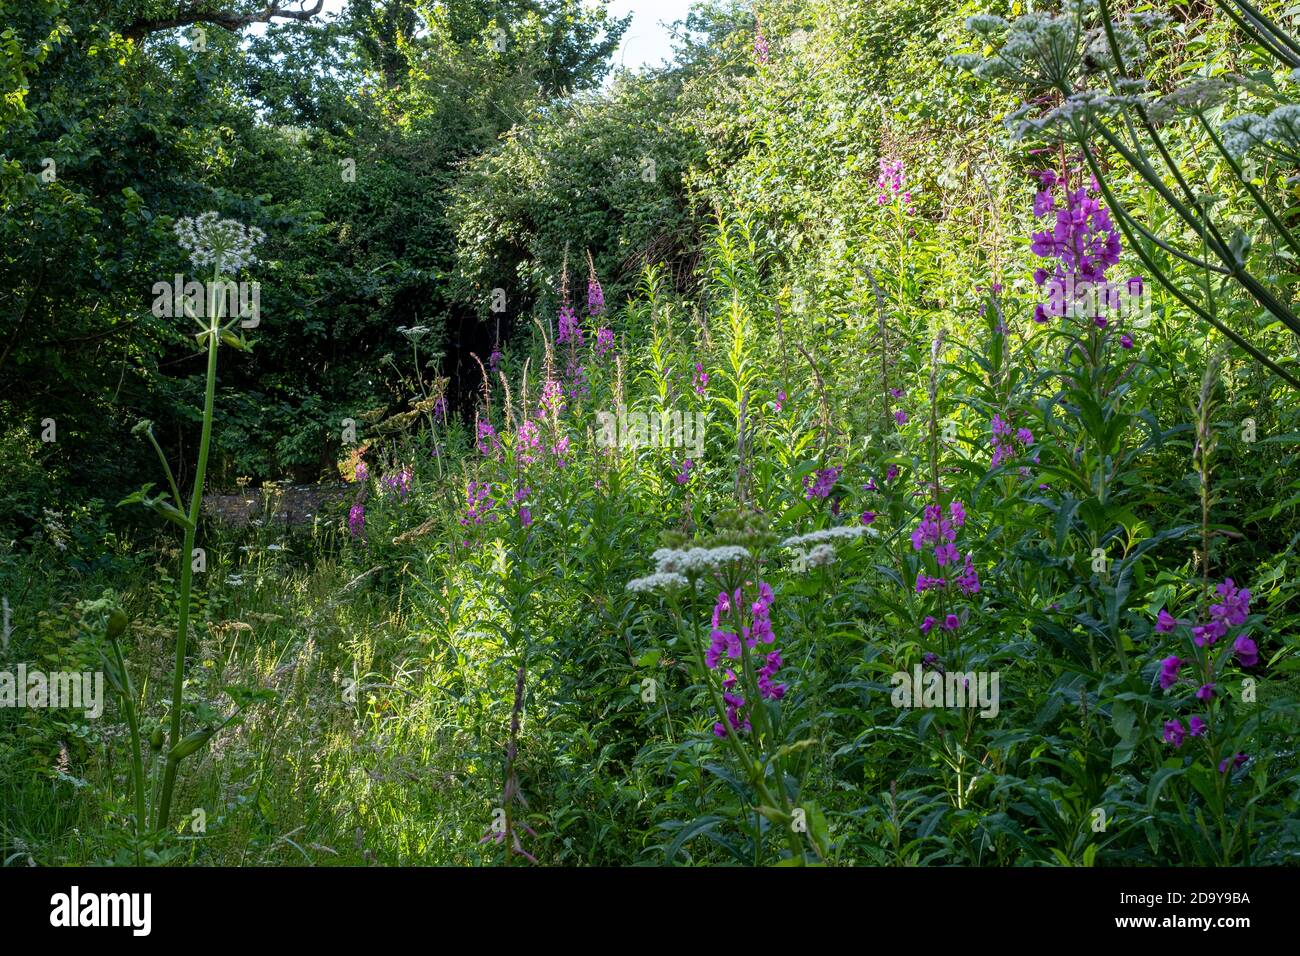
(889, 491)
(1212, 657)
(226, 246)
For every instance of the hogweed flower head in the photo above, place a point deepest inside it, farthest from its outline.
(829, 535)
(696, 561)
(225, 244)
(665, 581)
(821, 556)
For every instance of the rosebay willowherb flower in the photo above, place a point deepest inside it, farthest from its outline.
(1215, 728)
(570, 327)
(224, 244)
(595, 294)
(1084, 243)
(892, 184)
(821, 483)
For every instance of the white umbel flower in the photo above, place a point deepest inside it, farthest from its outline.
(829, 535)
(985, 24)
(657, 582)
(1278, 133)
(213, 241)
(697, 560)
(820, 556)
(414, 333)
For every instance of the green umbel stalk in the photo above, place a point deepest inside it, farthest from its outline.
(187, 556)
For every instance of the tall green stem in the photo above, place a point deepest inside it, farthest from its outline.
(187, 555)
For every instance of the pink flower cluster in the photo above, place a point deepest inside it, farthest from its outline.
(575, 380)
(1009, 442)
(732, 645)
(399, 482)
(821, 483)
(1083, 240)
(525, 514)
(561, 451)
(570, 328)
(528, 439)
(1230, 611)
(760, 44)
(939, 533)
(552, 400)
(487, 442)
(700, 379)
(1084, 243)
(892, 183)
(479, 503)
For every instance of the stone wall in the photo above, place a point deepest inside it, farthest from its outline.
(294, 504)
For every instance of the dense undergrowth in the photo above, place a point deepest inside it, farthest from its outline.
(565, 627)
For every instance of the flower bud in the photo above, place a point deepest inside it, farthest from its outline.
(116, 622)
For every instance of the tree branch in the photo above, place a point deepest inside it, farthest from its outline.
(226, 19)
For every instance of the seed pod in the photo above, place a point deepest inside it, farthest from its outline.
(190, 744)
(156, 738)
